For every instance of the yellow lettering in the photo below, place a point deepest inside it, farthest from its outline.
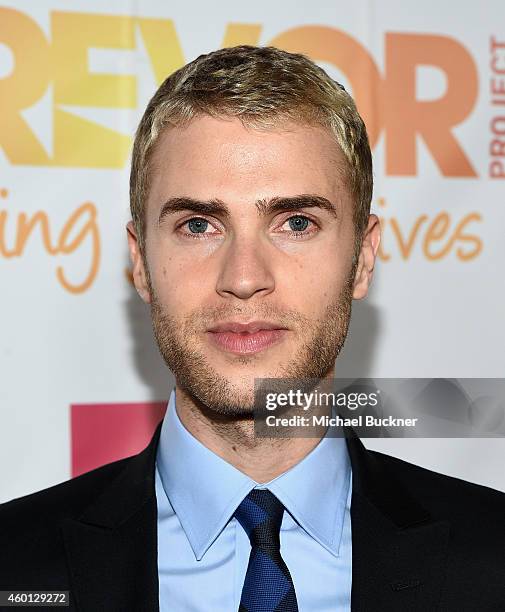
(79, 142)
(241, 34)
(162, 45)
(23, 88)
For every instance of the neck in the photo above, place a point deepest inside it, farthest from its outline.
(234, 440)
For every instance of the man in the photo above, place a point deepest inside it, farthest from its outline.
(251, 234)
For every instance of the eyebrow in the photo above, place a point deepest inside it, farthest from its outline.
(264, 207)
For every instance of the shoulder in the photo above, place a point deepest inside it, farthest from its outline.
(447, 497)
(474, 515)
(33, 521)
(66, 499)
(31, 538)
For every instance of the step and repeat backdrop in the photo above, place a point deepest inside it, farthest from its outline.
(81, 380)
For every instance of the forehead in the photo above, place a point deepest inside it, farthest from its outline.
(214, 157)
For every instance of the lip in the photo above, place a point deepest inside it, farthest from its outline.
(251, 327)
(246, 338)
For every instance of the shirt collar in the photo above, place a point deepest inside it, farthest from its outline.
(205, 490)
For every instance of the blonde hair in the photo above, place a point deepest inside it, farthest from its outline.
(262, 86)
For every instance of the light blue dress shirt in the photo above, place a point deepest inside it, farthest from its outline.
(203, 555)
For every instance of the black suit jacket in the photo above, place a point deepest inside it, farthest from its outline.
(421, 541)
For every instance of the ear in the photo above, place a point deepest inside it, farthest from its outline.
(366, 258)
(138, 268)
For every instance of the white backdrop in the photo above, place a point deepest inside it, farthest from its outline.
(430, 80)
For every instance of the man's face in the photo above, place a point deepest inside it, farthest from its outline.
(230, 239)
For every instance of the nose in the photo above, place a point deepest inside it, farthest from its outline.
(245, 269)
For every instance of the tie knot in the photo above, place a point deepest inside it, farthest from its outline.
(260, 514)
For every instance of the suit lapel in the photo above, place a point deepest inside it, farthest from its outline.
(398, 550)
(112, 547)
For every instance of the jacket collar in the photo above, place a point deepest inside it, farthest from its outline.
(372, 480)
(398, 549)
(112, 546)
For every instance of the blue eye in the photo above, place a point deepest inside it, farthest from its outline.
(298, 223)
(197, 225)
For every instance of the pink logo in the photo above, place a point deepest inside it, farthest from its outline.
(102, 433)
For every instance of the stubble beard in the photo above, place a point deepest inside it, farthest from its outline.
(179, 340)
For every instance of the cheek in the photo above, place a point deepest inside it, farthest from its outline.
(314, 283)
(178, 280)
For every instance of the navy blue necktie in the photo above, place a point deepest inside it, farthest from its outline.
(268, 586)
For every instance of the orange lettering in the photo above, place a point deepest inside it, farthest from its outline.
(68, 246)
(325, 44)
(25, 228)
(436, 231)
(405, 117)
(83, 217)
(406, 248)
(458, 233)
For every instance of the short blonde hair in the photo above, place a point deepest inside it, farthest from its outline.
(262, 86)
